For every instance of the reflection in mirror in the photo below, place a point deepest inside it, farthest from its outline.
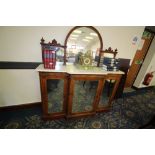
(55, 95)
(83, 42)
(84, 95)
(106, 93)
(52, 53)
(109, 56)
(60, 55)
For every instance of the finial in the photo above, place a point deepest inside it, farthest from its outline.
(42, 40)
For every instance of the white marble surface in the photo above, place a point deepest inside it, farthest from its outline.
(76, 69)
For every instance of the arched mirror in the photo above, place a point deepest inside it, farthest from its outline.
(83, 42)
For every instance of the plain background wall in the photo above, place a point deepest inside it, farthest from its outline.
(19, 87)
(23, 44)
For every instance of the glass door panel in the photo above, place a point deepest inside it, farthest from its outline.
(55, 94)
(106, 93)
(84, 95)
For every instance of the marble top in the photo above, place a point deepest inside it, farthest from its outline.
(76, 69)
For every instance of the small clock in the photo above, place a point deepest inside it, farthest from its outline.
(86, 61)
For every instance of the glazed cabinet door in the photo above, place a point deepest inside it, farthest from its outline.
(108, 91)
(54, 94)
(83, 95)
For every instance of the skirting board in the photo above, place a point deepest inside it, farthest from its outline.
(22, 106)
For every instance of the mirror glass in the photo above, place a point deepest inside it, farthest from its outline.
(106, 93)
(82, 41)
(60, 55)
(55, 95)
(84, 95)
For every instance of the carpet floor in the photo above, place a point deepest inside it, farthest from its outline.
(132, 111)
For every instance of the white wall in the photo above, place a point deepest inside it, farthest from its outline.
(121, 38)
(19, 87)
(23, 44)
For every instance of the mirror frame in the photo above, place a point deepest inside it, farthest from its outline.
(90, 27)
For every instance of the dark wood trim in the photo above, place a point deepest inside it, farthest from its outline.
(140, 54)
(18, 65)
(88, 77)
(76, 27)
(70, 96)
(144, 57)
(150, 29)
(52, 43)
(21, 106)
(43, 88)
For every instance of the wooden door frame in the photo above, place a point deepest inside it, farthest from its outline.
(79, 77)
(128, 83)
(117, 78)
(44, 76)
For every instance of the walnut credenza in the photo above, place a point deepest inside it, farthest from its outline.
(70, 91)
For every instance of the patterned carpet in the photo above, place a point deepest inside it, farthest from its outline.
(132, 111)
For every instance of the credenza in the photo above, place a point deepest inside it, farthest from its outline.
(76, 91)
